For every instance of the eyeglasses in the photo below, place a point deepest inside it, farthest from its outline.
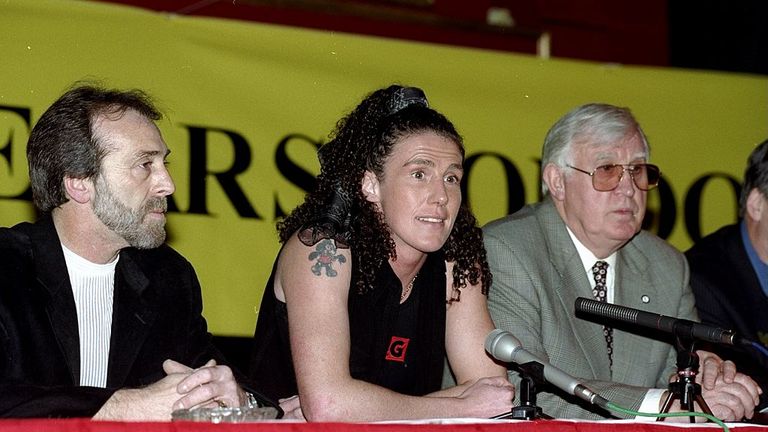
(607, 177)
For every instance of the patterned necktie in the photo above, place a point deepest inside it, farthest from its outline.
(599, 271)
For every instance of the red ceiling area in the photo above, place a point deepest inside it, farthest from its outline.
(630, 32)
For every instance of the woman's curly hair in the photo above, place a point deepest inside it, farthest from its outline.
(337, 208)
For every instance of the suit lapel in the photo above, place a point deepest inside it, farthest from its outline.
(632, 351)
(134, 313)
(53, 277)
(565, 259)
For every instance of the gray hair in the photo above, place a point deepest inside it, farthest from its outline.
(595, 123)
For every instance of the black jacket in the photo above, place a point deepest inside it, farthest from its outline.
(728, 295)
(157, 315)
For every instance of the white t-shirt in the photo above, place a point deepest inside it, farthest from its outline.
(93, 287)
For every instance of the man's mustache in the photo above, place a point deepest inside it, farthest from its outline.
(156, 204)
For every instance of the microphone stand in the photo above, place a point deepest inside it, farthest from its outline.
(685, 389)
(531, 374)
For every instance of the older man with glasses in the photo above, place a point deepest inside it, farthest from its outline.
(585, 240)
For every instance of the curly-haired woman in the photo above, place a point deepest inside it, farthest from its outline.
(382, 275)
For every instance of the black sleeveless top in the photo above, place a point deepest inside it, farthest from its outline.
(400, 347)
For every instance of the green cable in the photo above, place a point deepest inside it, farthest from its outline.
(710, 417)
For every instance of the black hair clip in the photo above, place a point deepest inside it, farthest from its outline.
(407, 96)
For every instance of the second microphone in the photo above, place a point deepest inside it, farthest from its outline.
(505, 347)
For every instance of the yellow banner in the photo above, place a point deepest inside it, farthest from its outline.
(248, 103)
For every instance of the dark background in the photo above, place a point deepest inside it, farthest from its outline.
(707, 34)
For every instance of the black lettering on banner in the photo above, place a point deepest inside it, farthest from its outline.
(515, 189)
(692, 206)
(292, 171)
(667, 213)
(198, 172)
(7, 150)
(172, 206)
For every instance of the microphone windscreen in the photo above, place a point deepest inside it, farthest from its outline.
(606, 310)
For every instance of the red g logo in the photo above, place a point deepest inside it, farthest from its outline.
(397, 348)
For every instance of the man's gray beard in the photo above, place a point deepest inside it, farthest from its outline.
(126, 222)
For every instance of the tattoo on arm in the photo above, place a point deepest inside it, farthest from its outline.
(324, 255)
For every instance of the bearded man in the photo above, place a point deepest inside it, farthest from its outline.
(98, 317)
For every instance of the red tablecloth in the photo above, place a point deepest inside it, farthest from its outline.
(85, 425)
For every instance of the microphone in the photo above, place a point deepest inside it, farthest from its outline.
(503, 346)
(677, 326)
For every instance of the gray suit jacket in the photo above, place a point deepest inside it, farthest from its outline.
(537, 276)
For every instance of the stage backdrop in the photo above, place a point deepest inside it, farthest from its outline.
(247, 105)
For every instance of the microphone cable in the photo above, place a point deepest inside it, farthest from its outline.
(709, 417)
(758, 346)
